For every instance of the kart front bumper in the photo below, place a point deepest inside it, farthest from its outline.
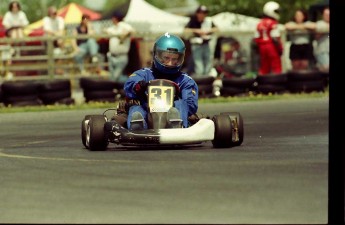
(201, 131)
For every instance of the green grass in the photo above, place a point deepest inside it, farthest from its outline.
(267, 97)
(95, 105)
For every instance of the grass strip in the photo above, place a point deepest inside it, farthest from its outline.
(95, 105)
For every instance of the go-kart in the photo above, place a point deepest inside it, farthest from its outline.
(224, 130)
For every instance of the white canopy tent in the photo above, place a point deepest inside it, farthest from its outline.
(232, 22)
(146, 18)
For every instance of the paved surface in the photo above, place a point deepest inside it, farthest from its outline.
(279, 175)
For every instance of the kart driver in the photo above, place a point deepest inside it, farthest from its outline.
(168, 57)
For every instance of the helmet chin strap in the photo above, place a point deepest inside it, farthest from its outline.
(159, 75)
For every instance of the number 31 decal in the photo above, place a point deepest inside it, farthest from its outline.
(161, 93)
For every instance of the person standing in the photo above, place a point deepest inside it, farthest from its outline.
(201, 27)
(119, 46)
(54, 25)
(268, 40)
(15, 20)
(322, 38)
(84, 47)
(299, 33)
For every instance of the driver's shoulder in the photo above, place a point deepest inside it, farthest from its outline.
(186, 79)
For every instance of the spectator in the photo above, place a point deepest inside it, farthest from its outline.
(84, 47)
(168, 57)
(301, 49)
(230, 58)
(15, 20)
(54, 25)
(201, 27)
(268, 40)
(322, 38)
(119, 46)
(2, 28)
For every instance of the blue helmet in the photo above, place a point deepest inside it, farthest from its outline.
(168, 53)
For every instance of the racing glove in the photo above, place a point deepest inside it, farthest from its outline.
(140, 88)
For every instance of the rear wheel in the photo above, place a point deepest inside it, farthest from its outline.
(223, 131)
(237, 127)
(95, 134)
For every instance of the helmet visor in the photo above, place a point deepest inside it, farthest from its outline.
(169, 58)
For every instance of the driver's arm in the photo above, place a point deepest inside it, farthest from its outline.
(189, 93)
(131, 84)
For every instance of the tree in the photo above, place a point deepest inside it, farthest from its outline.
(250, 7)
(37, 9)
(245, 7)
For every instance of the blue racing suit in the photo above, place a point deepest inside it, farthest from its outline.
(187, 104)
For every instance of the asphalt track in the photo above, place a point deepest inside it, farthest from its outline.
(279, 175)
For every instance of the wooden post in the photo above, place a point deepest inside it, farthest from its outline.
(50, 54)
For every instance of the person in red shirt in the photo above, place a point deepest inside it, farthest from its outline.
(2, 28)
(268, 41)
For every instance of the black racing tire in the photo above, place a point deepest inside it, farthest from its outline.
(121, 93)
(55, 85)
(205, 89)
(305, 75)
(203, 80)
(13, 99)
(306, 86)
(238, 82)
(119, 85)
(101, 100)
(325, 74)
(83, 129)
(99, 94)
(66, 101)
(231, 91)
(1, 95)
(20, 88)
(52, 97)
(272, 79)
(36, 102)
(97, 84)
(223, 131)
(270, 88)
(240, 126)
(326, 82)
(95, 133)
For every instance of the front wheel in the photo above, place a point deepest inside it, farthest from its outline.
(95, 134)
(223, 131)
